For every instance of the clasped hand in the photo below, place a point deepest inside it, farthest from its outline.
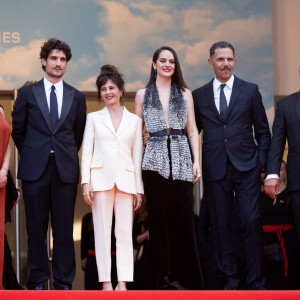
(88, 196)
(3, 178)
(197, 172)
(272, 187)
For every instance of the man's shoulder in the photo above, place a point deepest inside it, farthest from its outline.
(28, 86)
(68, 86)
(240, 81)
(290, 98)
(203, 88)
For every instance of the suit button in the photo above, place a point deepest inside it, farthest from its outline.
(225, 126)
(226, 141)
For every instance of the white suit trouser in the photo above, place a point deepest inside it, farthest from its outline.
(103, 205)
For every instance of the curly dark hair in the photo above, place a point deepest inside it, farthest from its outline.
(109, 72)
(51, 44)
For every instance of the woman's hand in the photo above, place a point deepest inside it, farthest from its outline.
(137, 201)
(142, 237)
(146, 136)
(3, 178)
(197, 172)
(88, 194)
(83, 263)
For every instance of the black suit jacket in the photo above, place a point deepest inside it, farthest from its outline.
(34, 137)
(286, 126)
(233, 136)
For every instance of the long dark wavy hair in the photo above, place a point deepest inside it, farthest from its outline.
(177, 76)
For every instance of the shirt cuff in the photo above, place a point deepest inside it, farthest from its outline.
(272, 176)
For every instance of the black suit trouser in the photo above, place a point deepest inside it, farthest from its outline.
(47, 195)
(295, 203)
(243, 187)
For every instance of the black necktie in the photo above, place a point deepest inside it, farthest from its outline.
(223, 102)
(53, 108)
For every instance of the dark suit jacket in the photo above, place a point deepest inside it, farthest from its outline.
(286, 126)
(34, 138)
(232, 137)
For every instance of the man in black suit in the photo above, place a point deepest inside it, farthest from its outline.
(286, 126)
(48, 122)
(228, 109)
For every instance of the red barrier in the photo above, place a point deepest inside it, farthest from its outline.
(150, 295)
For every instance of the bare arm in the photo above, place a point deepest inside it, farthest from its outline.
(137, 154)
(192, 133)
(139, 97)
(138, 102)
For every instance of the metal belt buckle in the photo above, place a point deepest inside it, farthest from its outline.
(168, 131)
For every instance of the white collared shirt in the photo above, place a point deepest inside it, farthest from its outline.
(59, 89)
(227, 91)
(272, 176)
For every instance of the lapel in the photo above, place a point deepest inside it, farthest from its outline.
(211, 99)
(40, 96)
(236, 89)
(124, 121)
(68, 97)
(105, 117)
(298, 105)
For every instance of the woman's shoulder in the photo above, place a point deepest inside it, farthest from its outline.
(139, 97)
(187, 92)
(133, 115)
(94, 113)
(187, 95)
(141, 92)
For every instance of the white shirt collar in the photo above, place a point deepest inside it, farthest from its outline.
(229, 83)
(48, 85)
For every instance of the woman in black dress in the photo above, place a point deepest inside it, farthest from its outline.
(166, 107)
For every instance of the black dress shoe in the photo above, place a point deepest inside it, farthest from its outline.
(62, 286)
(232, 284)
(164, 284)
(39, 287)
(230, 288)
(175, 285)
(261, 288)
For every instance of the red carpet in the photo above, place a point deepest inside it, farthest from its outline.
(150, 295)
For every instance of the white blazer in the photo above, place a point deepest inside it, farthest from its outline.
(110, 157)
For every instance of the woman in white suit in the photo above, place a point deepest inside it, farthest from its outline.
(111, 176)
